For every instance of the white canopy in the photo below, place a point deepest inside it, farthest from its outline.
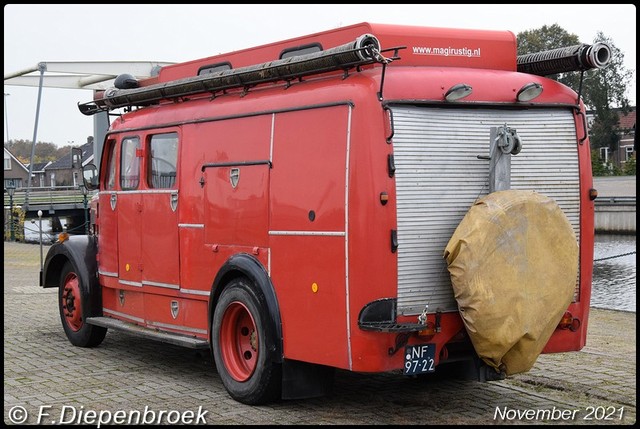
(92, 75)
(97, 75)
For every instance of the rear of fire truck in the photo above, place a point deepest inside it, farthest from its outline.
(481, 241)
(493, 199)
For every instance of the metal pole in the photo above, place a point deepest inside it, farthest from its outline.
(86, 217)
(42, 67)
(13, 234)
(41, 266)
(6, 118)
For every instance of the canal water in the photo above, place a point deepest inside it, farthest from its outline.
(614, 272)
(32, 230)
(614, 276)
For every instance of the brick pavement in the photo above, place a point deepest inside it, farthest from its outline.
(44, 374)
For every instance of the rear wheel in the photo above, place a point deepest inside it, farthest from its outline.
(241, 339)
(75, 307)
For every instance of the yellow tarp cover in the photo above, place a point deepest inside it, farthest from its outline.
(513, 262)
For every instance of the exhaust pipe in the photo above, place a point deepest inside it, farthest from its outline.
(573, 58)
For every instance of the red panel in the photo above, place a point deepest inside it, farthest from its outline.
(109, 298)
(309, 162)
(261, 54)
(308, 175)
(129, 236)
(314, 324)
(158, 309)
(109, 282)
(433, 46)
(231, 140)
(160, 248)
(490, 86)
(106, 214)
(233, 215)
(159, 211)
(190, 319)
(133, 304)
(196, 314)
(196, 268)
(237, 215)
(107, 222)
(449, 47)
(567, 340)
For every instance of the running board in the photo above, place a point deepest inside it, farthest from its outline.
(163, 336)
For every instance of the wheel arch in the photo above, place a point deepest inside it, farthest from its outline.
(243, 264)
(82, 251)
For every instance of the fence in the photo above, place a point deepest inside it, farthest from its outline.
(615, 215)
(55, 202)
(47, 197)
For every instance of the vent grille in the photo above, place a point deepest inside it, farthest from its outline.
(439, 176)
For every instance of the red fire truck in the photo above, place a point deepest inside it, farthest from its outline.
(292, 207)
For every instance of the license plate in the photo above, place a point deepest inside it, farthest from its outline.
(419, 359)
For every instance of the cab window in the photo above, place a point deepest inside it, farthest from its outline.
(130, 163)
(163, 157)
(110, 179)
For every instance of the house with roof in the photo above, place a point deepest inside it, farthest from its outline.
(15, 172)
(627, 130)
(626, 149)
(38, 175)
(65, 171)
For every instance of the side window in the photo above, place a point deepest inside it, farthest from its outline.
(130, 163)
(163, 157)
(628, 152)
(301, 50)
(604, 154)
(214, 68)
(110, 180)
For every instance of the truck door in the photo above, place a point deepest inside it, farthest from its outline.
(107, 221)
(308, 231)
(129, 208)
(237, 183)
(160, 246)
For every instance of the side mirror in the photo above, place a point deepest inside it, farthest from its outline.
(90, 176)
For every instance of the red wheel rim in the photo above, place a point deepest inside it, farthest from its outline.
(71, 304)
(239, 341)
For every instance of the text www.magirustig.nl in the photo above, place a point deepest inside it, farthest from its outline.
(446, 52)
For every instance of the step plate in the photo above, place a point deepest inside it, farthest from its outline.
(165, 337)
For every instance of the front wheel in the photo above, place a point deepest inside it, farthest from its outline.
(75, 307)
(241, 338)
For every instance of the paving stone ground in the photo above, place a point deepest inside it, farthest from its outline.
(48, 380)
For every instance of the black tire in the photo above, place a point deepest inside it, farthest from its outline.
(74, 303)
(241, 337)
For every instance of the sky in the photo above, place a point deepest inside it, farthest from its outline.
(35, 33)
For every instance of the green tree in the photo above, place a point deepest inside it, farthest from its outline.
(606, 89)
(605, 86)
(43, 151)
(630, 167)
(598, 168)
(546, 38)
(603, 90)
